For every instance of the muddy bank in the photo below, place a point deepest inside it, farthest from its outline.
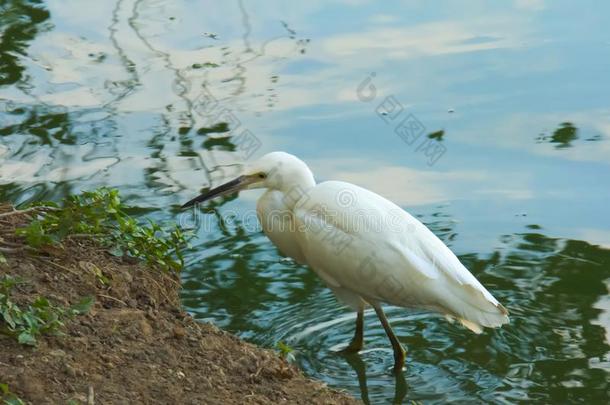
(135, 344)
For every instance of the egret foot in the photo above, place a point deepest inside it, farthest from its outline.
(399, 352)
(357, 342)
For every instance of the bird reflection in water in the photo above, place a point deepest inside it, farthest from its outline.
(400, 383)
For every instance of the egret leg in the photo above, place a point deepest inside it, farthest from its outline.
(399, 351)
(358, 341)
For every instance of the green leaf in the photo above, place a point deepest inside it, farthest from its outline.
(2, 259)
(25, 338)
(116, 250)
(284, 348)
(41, 303)
(8, 318)
(83, 306)
(13, 400)
(4, 388)
(285, 351)
(30, 320)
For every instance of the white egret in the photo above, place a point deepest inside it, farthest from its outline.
(365, 248)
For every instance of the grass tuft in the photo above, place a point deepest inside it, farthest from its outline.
(39, 318)
(101, 215)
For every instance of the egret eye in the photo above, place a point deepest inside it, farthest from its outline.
(262, 176)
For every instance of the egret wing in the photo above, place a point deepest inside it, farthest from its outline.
(357, 240)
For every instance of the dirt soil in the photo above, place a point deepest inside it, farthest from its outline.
(136, 345)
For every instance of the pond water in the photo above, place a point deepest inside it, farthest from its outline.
(490, 122)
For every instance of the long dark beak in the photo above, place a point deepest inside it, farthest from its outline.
(227, 188)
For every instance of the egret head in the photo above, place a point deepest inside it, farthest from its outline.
(276, 170)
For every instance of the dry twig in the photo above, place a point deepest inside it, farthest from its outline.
(28, 210)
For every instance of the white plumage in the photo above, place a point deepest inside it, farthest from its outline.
(364, 247)
(389, 257)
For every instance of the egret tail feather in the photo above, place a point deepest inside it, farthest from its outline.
(476, 328)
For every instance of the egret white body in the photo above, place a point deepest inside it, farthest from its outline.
(365, 248)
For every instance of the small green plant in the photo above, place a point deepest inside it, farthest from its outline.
(39, 318)
(7, 397)
(101, 214)
(152, 243)
(285, 351)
